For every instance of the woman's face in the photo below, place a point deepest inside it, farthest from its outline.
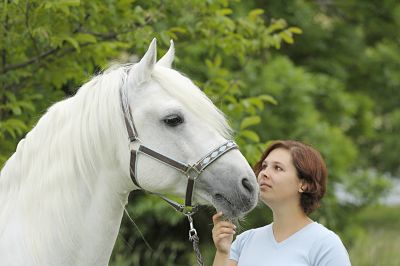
(278, 180)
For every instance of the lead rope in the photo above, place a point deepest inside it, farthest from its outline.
(194, 238)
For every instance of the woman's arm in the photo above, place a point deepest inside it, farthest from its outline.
(222, 233)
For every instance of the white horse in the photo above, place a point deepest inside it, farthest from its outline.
(63, 192)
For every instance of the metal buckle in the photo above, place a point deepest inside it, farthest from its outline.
(134, 144)
(192, 172)
(188, 210)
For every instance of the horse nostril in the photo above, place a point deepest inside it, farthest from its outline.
(247, 185)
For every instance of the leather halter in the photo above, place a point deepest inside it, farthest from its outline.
(192, 171)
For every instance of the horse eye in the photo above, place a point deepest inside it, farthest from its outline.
(173, 120)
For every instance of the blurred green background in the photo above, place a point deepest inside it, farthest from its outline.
(326, 72)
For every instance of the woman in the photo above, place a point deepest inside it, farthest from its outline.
(292, 179)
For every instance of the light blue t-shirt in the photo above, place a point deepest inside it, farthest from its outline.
(313, 245)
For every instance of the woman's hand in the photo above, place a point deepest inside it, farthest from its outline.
(222, 233)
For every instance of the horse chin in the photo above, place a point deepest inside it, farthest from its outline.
(229, 208)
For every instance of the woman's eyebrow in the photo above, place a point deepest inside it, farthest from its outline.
(273, 162)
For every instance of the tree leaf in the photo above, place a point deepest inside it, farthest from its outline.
(85, 38)
(296, 30)
(73, 42)
(268, 98)
(250, 121)
(253, 14)
(251, 135)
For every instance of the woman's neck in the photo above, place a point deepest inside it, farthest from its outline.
(288, 221)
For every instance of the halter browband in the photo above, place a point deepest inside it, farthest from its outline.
(192, 171)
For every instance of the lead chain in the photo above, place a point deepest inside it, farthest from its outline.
(193, 237)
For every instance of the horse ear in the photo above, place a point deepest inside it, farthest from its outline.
(168, 58)
(141, 72)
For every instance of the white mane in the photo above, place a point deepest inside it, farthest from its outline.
(76, 135)
(79, 134)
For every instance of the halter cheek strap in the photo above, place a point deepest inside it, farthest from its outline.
(191, 171)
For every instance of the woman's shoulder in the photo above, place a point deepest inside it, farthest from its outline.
(326, 239)
(327, 247)
(322, 233)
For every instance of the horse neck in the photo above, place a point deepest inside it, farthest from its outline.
(101, 222)
(66, 185)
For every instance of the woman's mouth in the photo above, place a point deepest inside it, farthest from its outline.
(264, 185)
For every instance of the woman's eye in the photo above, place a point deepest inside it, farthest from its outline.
(173, 120)
(278, 168)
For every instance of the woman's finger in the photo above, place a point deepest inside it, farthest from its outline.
(225, 231)
(222, 236)
(225, 224)
(217, 217)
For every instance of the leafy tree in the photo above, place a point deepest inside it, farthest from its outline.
(355, 42)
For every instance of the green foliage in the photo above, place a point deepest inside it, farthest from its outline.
(48, 49)
(354, 43)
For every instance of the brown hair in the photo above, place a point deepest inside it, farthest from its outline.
(310, 168)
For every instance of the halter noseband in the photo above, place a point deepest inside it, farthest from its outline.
(191, 171)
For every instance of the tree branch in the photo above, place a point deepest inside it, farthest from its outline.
(27, 24)
(4, 54)
(103, 36)
(7, 68)
(4, 51)
(52, 51)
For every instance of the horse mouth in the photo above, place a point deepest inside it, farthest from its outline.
(220, 198)
(222, 203)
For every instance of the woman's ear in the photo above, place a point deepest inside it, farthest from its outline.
(303, 187)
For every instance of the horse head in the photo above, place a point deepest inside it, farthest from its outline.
(176, 119)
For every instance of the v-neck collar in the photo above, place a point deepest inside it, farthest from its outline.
(293, 236)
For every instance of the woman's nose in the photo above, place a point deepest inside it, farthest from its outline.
(264, 173)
